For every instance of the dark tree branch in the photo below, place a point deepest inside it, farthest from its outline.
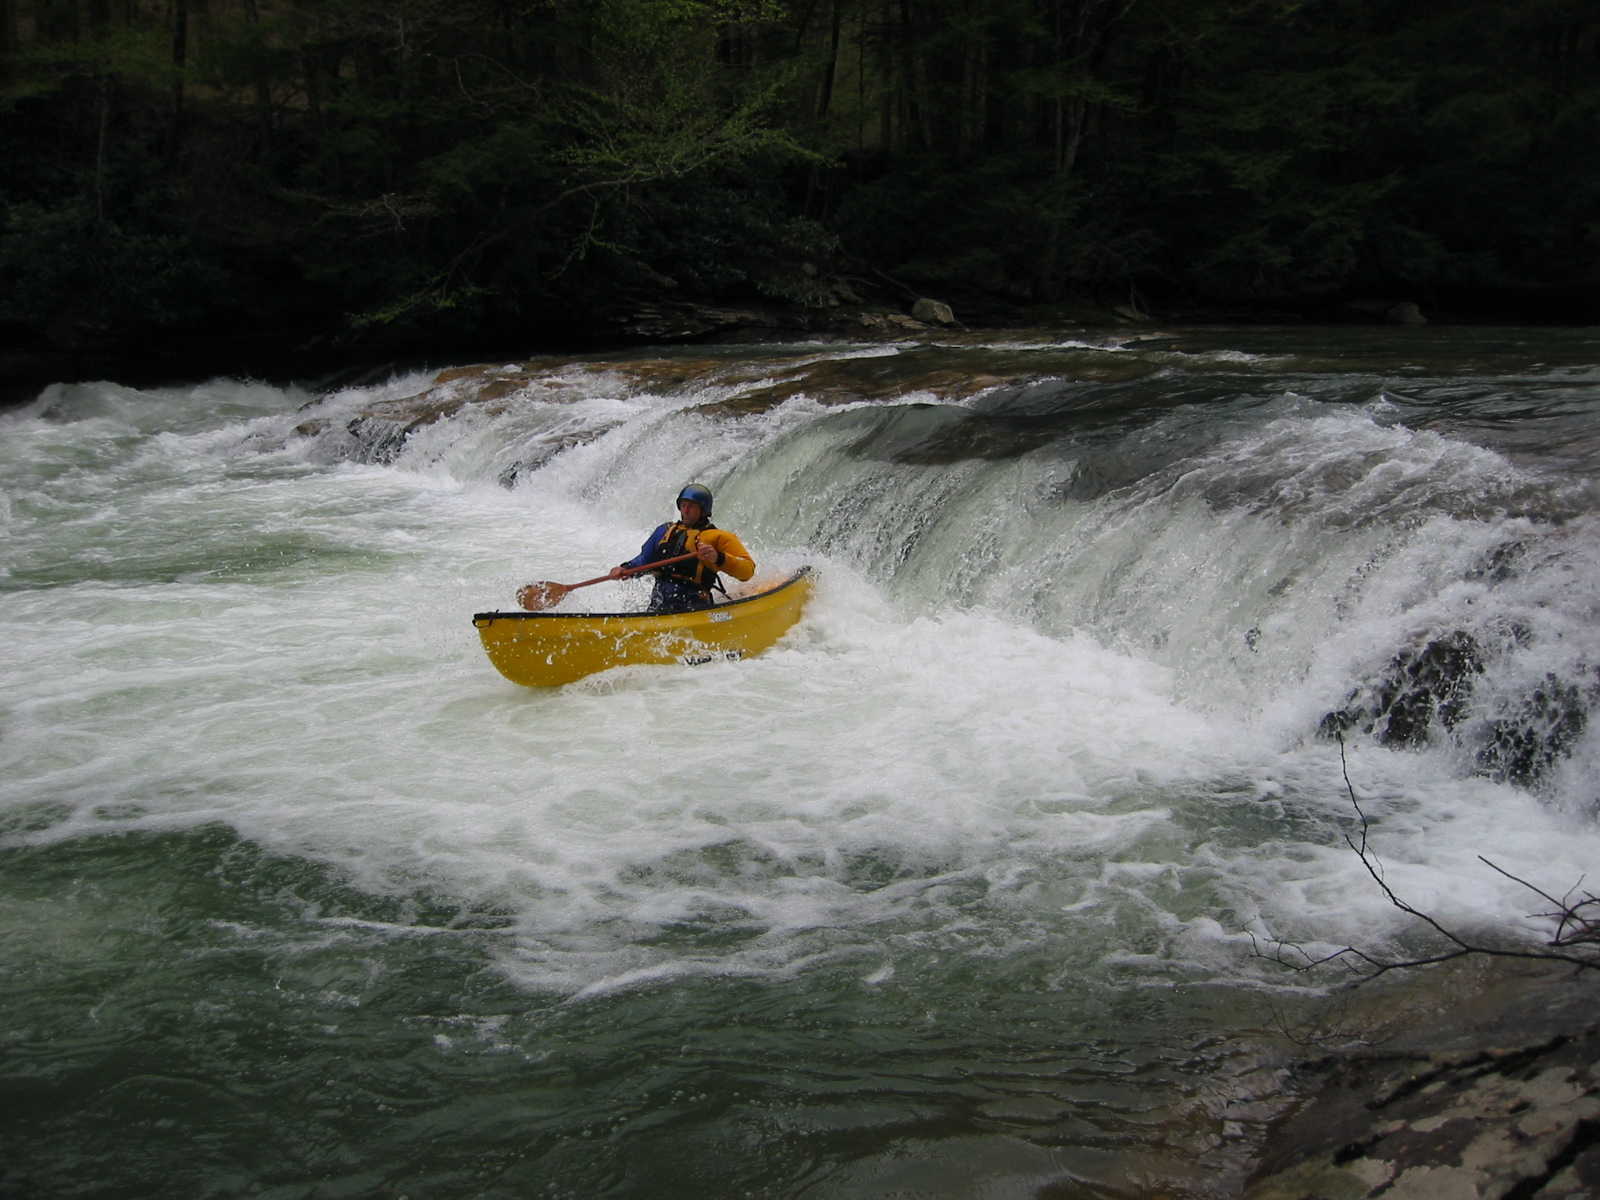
(1573, 926)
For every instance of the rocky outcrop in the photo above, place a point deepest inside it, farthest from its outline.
(1494, 1094)
(381, 430)
(933, 312)
(1428, 690)
(1389, 312)
(379, 433)
(1525, 744)
(672, 321)
(1405, 313)
(1421, 684)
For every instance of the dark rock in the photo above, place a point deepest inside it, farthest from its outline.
(1500, 564)
(1494, 1094)
(1431, 688)
(1525, 745)
(1419, 685)
(660, 320)
(1389, 312)
(932, 312)
(380, 441)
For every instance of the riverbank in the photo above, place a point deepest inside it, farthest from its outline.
(1472, 1079)
(311, 356)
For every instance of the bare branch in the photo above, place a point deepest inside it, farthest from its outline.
(1573, 926)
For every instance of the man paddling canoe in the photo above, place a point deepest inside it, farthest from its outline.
(683, 586)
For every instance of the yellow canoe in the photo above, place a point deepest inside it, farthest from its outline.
(546, 649)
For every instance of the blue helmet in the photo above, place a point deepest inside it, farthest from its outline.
(700, 494)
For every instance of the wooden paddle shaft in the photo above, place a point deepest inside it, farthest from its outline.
(535, 596)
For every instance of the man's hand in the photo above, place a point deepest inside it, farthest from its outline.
(707, 554)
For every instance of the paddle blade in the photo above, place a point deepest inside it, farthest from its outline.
(536, 597)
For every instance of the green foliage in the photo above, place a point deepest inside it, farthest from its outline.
(417, 169)
(715, 236)
(679, 132)
(135, 56)
(106, 277)
(488, 170)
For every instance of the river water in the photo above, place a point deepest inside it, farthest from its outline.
(973, 886)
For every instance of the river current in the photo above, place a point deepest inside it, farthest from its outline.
(978, 884)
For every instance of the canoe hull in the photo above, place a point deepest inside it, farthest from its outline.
(542, 649)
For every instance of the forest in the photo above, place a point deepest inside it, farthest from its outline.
(301, 179)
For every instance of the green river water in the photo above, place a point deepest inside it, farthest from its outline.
(960, 891)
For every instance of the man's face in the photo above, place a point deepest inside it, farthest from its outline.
(690, 511)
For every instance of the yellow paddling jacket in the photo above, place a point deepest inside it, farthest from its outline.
(689, 584)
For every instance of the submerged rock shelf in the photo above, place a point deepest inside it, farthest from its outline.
(1484, 1083)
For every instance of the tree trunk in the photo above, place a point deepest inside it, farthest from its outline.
(974, 119)
(261, 83)
(56, 21)
(180, 62)
(1058, 51)
(8, 33)
(311, 64)
(861, 77)
(103, 122)
(917, 128)
(825, 99)
(891, 83)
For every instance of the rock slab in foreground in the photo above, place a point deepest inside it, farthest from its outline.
(1507, 1105)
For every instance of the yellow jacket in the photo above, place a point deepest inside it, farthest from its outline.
(734, 558)
(664, 541)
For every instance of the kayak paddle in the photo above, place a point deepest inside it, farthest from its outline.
(537, 596)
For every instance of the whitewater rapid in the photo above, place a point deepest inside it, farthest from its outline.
(1047, 707)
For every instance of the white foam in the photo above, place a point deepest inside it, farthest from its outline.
(958, 751)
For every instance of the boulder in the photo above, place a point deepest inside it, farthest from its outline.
(1430, 688)
(1421, 684)
(1526, 743)
(1390, 312)
(933, 312)
(1405, 313)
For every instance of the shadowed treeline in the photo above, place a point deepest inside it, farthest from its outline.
(424, 174)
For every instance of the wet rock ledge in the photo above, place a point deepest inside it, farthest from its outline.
(1492, 1091)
